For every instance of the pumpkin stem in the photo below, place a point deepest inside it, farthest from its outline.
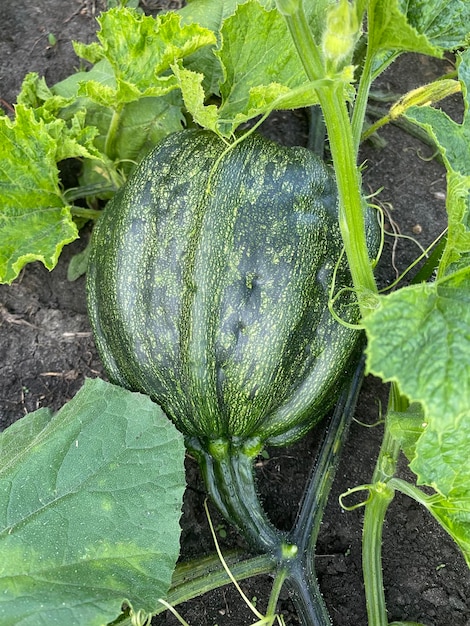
(230, 481)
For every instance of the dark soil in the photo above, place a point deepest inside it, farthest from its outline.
(46, 351)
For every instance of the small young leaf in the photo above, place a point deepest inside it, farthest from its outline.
(407, 428)
(90, 500)
(78, 264)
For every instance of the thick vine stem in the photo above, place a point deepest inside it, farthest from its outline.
(376, 508)
(304, 533)
(231, 484)
(381, 494)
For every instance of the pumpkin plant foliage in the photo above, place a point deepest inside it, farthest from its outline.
(216, 65)
(432, 323)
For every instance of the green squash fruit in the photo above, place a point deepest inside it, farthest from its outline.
(208, 288)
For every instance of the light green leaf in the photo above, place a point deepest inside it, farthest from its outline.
(251, 41)
(139, 50)
(101, 73)
(209, 14)
(90, 500)
(444, 22)
(452, 138)
(407, 428)
(35, 222)
(390, 30)
(441, 461)
(257, 78)
(194, 97)
(128, 95)
(419, 337)
(424, 26)
(213, 13)
(34, 92)
(139, 125)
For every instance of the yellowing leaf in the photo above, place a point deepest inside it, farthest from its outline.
(139, 49)
(35, 222)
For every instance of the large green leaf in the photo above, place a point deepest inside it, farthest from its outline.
(35, 221)
(261, 72)
(90, 500)
(444, 22)
(419, 337)
(128, 94)
(213, 13)
(424, 26)
(390, 30)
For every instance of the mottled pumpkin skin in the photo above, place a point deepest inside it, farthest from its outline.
(208, 287)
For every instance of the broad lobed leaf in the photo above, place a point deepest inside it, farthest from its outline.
(453, 141)
(440, 460)
(423, 26)
(444, 22)
(389, 29)
(90, 500)
(419, 337)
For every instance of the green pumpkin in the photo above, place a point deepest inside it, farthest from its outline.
(208, 288)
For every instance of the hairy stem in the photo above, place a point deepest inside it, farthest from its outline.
(376, 508)
(344, 154)
(351, 206)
